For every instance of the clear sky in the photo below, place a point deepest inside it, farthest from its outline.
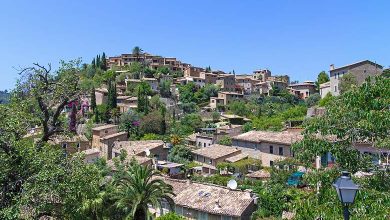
(295, 37)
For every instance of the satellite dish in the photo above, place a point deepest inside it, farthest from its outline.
(147, 152)
(232, 184)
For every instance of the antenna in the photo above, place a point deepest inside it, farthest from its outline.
(147, 152)
(232, 184)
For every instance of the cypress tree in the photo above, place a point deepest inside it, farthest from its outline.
(98, 61)
(163, 123)
(143, 101)
(93, 63)
(111, 95)
(103, 64)
(93, 100)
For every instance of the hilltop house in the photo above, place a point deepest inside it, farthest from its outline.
(361, 70)
(224, 98)
(267, 146)
(302, 90)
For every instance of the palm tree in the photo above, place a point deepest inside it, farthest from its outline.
(137, 188)
(137, 51)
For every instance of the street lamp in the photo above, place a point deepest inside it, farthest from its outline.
(346, 190)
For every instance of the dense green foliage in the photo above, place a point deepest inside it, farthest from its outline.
(358, 115)
(180, 154)
(347, 82)
(4, 97)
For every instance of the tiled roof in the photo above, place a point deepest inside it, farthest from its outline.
(63, 138)
(356, 64)
(91, 151)
(113, 135)
(259, 174)
(215, 151)
(210, 198)
(101, 90)
(236, 158)
(192, 137)
(103, 127)
(137, 147)
(140, 160)
(282, 137)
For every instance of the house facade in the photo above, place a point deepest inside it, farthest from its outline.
(360, 70)
(103, 138)
(267, 146)
(302, 90)
(211, 156)
(224, 98)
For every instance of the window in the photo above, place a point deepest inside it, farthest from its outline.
(204, 159)
(78, 145)
(280, 150)
(203, 216)
(335, 88)
(271, 149)
(204, 144)
(224, 217)
(271, 163)
(64, 145)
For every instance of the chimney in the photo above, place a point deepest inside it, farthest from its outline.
(331, 67)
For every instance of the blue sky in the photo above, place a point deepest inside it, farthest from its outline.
(295, 37)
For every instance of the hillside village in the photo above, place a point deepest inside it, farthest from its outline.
(211, 135)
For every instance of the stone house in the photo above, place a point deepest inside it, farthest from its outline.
(302, 90)
(157, 148)
(361, 70)
(246, 84)
(267, 146)
(193, 71)
(195, 200)
(103, 138)
(324, 89)
(209, 136)
(125, 103)
(72, 144)
(224, 98)
(226, 82)
(209, 77)
(91, 155)
(211, 156)
(261, 75)
(101, 95)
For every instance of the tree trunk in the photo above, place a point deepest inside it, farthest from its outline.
(140, 215)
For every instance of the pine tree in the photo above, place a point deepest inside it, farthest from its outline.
(103, 62)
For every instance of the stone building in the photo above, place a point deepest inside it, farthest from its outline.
(360, 70)
(195, 200)
(103, 138)
(267, 146)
